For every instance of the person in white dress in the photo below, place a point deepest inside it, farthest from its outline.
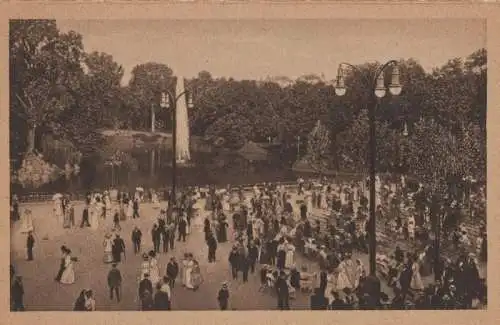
(416, 279)
(411, 225)
(308, 201)
(345, 277)
(26, 222)
(109, 205)
(154, 271)
(359, 272)
(100, 207)
(226, 206)
(188, 270)
(355, 193)
(155, 200)
(130, 209)
(108, 248)
(258, 227)
(290, 255)
(330, 286)
(323, 204)
(68, 275)
(94, 213)
(256, 191)
(144, 267)
(58, 212)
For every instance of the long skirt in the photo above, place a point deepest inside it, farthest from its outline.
(289, 259)
(108, 257)
(196, 280)
(343, 281)
(68, 275)
(416, 282)
(188, 279)
(66, 221)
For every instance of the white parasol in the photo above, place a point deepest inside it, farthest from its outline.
(57, 196)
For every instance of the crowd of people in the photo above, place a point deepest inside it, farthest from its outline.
(324, 221)
(269, 229)
(106, 211)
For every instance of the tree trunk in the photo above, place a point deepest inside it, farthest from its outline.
(31, 139)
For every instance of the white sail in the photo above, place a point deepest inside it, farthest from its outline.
(182, 152)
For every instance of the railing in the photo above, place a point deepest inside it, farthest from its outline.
(80, 196)
(36, 197)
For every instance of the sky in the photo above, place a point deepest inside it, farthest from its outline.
(256, 49)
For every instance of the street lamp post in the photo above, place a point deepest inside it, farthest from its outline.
(298, 147)
(377, 91)
(169, 99)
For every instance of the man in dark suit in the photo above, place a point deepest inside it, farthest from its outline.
(283, 292)
(145, 285)
(172, 271)
(164, 234)
(212, 247)
(234, 261)
(17, 294)
(30, 242)
(85, 217)
(161, 298)
(170, 228)
(182, 229)
(156, 238)
(136, 239)
(323, 277)
(253, 254)
(118, 248)
(135, 207)
(114, 282)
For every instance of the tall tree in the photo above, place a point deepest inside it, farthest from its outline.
(103, 82)
(44, 65)
(148, 81)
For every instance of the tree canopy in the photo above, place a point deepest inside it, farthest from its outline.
(58, 88)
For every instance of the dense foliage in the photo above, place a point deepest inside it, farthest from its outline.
(57, 88)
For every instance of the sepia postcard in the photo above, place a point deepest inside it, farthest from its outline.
(319, 159)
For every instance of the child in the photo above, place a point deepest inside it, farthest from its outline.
(223, 296)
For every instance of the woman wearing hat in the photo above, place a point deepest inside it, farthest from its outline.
(108, 248)
(196, 277)
(154, 272)
(155, 200)
(58, 210)
(95, 211)
(188, 271)
(68, 274)
(27, 222)
(108, 206)
(144, 267)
